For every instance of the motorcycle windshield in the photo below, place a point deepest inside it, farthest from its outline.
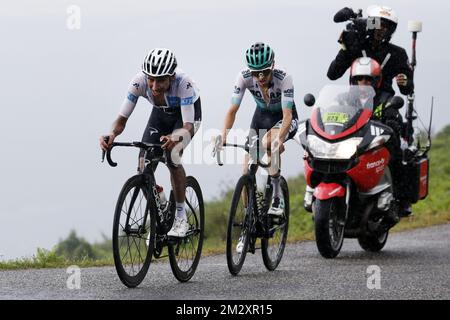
(339, 107)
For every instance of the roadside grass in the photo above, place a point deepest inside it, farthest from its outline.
(49, 259)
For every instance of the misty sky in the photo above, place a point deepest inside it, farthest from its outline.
(60, 89)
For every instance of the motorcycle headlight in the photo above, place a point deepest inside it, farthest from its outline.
(339, 151)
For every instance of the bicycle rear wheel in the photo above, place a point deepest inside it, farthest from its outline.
(273, 248)
(239, 224)
(184, 254)
(132, 254)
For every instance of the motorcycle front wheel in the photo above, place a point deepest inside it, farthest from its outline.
(329, 224)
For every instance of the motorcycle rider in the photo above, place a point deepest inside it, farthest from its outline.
(393, 59)
(394, 63)
(367, 72)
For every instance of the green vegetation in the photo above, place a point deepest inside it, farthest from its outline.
(434, 210)
(71, 251)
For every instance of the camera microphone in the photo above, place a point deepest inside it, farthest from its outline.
(344, 15)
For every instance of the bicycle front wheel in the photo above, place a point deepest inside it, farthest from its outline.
(133, 232)
(272, 248)
(239, 224)
(184, 254)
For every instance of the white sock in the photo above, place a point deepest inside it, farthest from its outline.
(181, 211)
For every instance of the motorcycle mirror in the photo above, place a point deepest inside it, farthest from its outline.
(396, 103)
(309, 100)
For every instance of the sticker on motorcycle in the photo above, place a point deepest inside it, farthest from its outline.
(335, 117)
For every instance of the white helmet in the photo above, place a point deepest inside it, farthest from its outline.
(366, 67)
(382, 12)
(159, 62)
(387, 16)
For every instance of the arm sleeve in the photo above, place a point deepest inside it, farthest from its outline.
(188, 113)
(239, 90)
(287, 94)
(340, 65)
(404, 67)
(187, 95)
(135, 89)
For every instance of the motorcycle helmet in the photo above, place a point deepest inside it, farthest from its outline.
(366, 67)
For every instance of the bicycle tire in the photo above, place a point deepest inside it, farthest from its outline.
(237, 221)
(184, 261)
(271, 261)
(139, 188)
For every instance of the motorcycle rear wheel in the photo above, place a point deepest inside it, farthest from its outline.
(373, 243)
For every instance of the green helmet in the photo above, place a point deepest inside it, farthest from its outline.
(259, 57)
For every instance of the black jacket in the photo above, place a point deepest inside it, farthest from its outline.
(397, 64)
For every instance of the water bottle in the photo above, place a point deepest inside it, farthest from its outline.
(162, 197)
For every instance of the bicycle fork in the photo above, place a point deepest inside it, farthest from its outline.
(140, 230)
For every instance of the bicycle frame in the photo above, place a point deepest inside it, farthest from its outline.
(145, 229)
(258, 230)
(164, 220)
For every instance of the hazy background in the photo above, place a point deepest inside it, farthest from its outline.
(60, 89)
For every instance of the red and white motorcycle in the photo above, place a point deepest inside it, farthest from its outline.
(347, 164)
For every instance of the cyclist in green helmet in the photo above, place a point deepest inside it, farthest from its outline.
(275, 119)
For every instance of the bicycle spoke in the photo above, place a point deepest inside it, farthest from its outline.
(123, 257)
(138, 250)
(132, 254)
(138, 209)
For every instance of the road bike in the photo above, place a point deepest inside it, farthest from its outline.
(141, 222)
(248, 220)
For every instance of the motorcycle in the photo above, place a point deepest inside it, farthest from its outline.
(347, 164)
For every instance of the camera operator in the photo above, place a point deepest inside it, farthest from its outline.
(371, 37)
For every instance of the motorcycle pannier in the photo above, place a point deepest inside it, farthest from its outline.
(418, 173)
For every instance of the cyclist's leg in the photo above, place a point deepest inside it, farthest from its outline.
(277, 207)
(252, 141)
(272, 135)
(272, 125)
(178, 174)
(153, 131)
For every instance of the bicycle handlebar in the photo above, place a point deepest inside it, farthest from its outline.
(217, 151)
(136, 144)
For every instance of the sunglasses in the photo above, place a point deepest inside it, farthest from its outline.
(361, 78)
(157, 79)
(264, 73)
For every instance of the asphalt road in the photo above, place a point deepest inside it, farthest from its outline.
(413, 265)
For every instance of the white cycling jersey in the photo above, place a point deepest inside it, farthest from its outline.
(281, 91)
(183, 93)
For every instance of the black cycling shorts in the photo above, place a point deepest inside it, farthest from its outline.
(264, 120)
(163, 122)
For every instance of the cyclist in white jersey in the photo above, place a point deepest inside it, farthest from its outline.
(275, 120)
(176, 113)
